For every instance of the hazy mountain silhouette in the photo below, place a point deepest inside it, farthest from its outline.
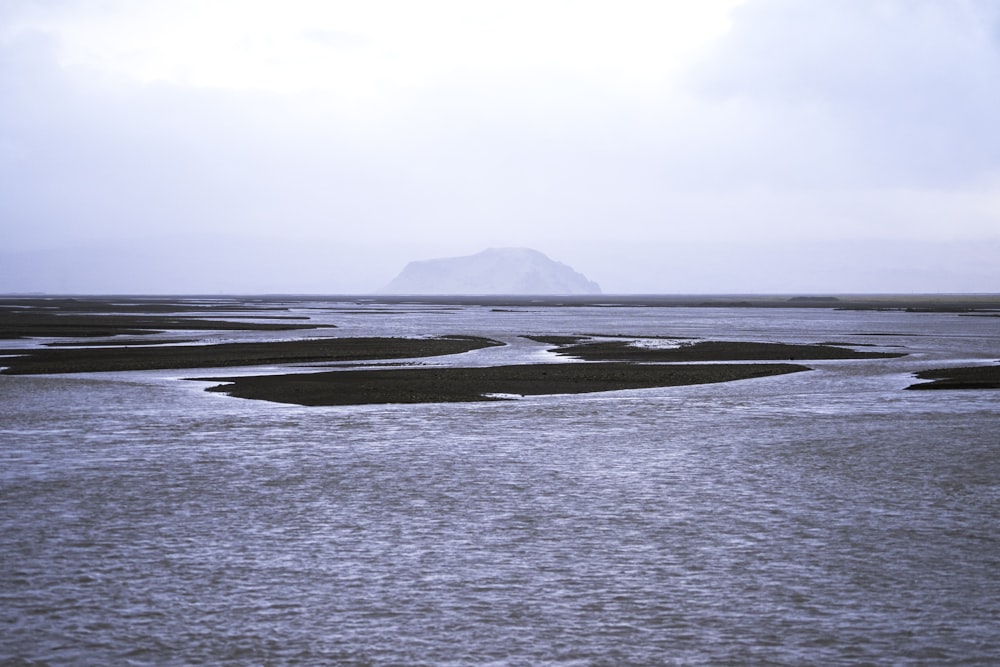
(492, 271)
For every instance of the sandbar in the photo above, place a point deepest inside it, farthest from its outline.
(34, 323)
(454, 384)
(715, 351)
(62, 360)
(966, 377)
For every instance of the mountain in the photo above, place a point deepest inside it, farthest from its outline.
(492, 271)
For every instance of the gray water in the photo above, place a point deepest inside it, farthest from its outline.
(827, 517)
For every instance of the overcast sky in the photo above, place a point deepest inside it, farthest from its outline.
(656, 146)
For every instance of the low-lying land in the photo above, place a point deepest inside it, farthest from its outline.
(966, 377)
(38, 361)
(445, 385)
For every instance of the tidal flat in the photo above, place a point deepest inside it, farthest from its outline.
(602, 365)
(91, 334)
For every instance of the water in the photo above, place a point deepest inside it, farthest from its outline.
(826, 517)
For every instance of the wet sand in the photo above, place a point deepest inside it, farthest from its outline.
(967, 377)
(39, 361)
(446, 385)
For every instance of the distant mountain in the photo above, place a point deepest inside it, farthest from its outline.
(492, 271)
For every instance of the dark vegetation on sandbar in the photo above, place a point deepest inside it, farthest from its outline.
(715, 351)
(967, 377)
(451, 384)
(37, 361)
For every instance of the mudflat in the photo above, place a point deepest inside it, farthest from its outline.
(453, 384)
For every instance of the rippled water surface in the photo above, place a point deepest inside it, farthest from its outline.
(827, 517)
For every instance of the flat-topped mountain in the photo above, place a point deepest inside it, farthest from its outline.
(492, 271)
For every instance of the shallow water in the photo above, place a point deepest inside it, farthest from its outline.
(826, 517)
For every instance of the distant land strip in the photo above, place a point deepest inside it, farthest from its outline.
(918, 303)
(452, 384)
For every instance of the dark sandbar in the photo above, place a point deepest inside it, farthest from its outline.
(968, 377)
(109, 316)
(144, 305)
(715, 351)
(42, 324)
(38, 361)
(446, 385)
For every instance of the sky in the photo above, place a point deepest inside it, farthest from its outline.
(657, 146)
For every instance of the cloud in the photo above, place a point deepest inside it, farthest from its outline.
(892, 93)
(371, 48)
(460, 126)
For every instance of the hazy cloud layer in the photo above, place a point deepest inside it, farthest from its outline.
(878, 94)
(628, 141)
